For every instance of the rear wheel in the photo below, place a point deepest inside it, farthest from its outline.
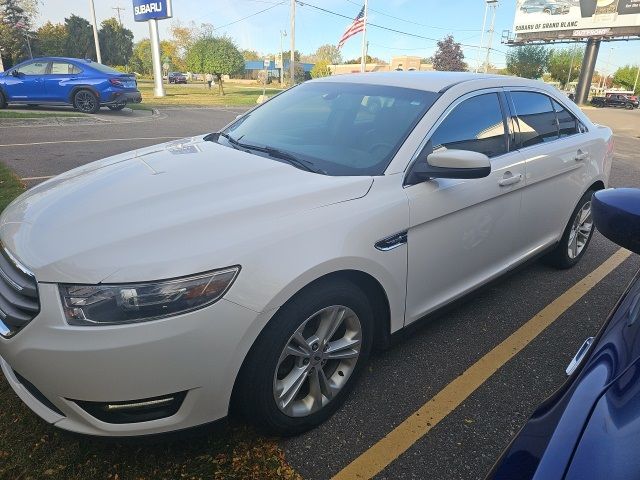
(117, 106)
(86, 101)
(307, 359)
(547, 11)
(628, 106)
(576, 236)
(3, 101)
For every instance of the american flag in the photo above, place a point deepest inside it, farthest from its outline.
(356, 27)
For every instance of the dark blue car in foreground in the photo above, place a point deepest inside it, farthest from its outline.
(84, 84)
(590, 428)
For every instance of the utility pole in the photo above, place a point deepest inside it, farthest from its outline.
(604, 79)
(292, 61)
(484, 27)
(493, 4)
(573, 56)
(95, 30)
(283, 33)
(363, 58)
(118, 9)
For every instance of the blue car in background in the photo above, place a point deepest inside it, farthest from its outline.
(590, 428)
(84, 84)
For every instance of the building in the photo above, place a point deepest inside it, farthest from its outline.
(253, 69)
(401, 63)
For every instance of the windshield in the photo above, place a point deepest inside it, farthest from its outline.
(337, 128)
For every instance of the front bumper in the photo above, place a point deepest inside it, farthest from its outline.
(123, 97)
(199, 353)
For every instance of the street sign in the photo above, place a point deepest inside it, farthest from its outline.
(144, 10)
(267, 62)
(279, 61)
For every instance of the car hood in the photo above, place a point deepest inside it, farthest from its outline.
(169, 210)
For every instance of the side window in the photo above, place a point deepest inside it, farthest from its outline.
(34, 68)
(567, 123)
(64, 68)
(536, 118)
(476, 125)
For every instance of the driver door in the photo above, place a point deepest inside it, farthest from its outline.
(28, 82)
(464, 232)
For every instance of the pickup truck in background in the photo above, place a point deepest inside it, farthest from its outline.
(616, 100)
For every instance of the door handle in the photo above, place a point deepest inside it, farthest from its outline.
(581, 156)
(510, 180)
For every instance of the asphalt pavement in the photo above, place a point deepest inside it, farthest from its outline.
(398, 382)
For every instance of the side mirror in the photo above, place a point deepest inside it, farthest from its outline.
(15, 73)
(451, 164)
(616, 213)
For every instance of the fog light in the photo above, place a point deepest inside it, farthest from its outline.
(135, 411)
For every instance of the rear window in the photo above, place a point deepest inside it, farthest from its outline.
(103, 68)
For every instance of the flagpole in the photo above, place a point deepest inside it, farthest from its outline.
(363, 59)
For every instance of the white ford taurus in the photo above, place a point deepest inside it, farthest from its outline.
(258, 266)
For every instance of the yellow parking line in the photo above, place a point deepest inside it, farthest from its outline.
(401, 438)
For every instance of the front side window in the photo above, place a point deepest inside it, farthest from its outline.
(476, 124)
(536, 118)
(567, 123)
(335, 128)
(63, 68)
(34, 68)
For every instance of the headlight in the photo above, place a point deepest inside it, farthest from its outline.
(139, 302)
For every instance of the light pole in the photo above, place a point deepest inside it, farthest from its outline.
(283, 33)
(95, 30)
(484, 26)
(493, 4)
(292, 66)
(573, 56)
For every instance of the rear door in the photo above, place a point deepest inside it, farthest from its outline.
(464, 232)
(28, 83)
(58, 81)
(557, 151)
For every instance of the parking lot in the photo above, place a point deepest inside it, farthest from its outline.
(445, 401)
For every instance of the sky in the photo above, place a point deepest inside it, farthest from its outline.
(261, 32)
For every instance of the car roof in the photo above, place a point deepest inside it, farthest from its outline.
(427, 81)
(64, 59)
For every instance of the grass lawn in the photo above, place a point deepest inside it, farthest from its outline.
(198, 94)
(30, 449)
(23, 114)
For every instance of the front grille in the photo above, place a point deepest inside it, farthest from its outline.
(19, 302)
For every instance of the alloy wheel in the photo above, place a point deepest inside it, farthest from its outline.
(85, 101)
(580, 231)
(317, 361)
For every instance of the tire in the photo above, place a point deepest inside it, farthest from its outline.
(576, 236)
(547, 11)
(117, 107)
(86, 101)
(3, 101)
(628, 106)
(266, 368)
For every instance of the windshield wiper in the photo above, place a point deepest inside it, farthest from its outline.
(271, 151)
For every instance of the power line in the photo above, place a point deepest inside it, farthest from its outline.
(118, 9)
(415, 23)
(249, 16)
(409, 34)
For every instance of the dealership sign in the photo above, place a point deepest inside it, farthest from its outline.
(589, 16)
(144, 10)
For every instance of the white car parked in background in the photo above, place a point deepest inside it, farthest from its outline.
(258, 266)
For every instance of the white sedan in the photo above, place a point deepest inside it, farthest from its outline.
(257, 267)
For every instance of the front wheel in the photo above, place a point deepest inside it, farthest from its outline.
(117, 107)
(576, 236)
(307, 359)
(86, 101)
(3, 101)
(628, 106)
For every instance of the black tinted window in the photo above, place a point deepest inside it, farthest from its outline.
(476, 125)
(536, 118)
(567, 123)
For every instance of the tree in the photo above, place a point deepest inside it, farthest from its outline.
(116, 42)
(528, 61)
(250, 55)
(561, 61)
(449, 56)
(15, 24)
(79, 42)
(216, 55)
(321, 69)
(286, 54)
(327, 53)
(298, 74)
(140, 61)
(626, 77)
(50, 40)
(370, 59)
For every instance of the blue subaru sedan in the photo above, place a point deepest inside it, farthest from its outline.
(84, 84)
(590, 428)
